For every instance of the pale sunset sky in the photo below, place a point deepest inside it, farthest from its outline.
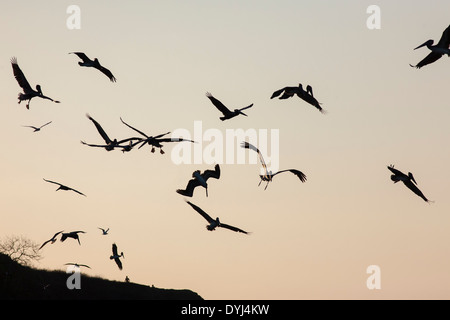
(312, 240)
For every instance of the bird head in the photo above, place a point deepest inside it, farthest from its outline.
(426, 43)
(38, 88)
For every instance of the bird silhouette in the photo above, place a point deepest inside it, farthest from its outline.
(200, 179)
(28, 92)
(76, 265)
(104, 231)
(116, 256)
(227, 113)
(154, 141)
(63, 187)
(214, 223)
(110, 144)
(437, 51)
(308, 96)
(93, 64)
(37, 128)
(73, 235)
(408, 180)
(268, 176)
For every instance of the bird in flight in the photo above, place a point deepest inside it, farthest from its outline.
(63, 187)
(268, 176)
(104, 231)
(408, 180)
(214, 223)
(200, 179)
(77, 265)
(437, 51)
(37, 128)
(154, 141)
(28, 92)
(308, 96)
(116, 256)
(52, 240)
(73, 235)
(94, 64)
(110, 144)
(227, 113)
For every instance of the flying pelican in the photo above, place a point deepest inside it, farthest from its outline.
(199, 179)
(408, 180)
(214, 223)
(437, 51)
(227, 113)
(308, 96)
(104, 232)
(63, 187)
(37, 128)
(52, 240)
(28, 92)
(154, 141)
(73, 235)
(268, 176)
(93, 63)
(110, 144)
(116, 256)
(76, 265)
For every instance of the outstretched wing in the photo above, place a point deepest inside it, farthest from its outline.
(77, 192)
(219, 105)
(52, 181)
(133, 128)
(223, 225)
(45, 124)
(82, 56)
(248, 145)
(20, 77)
(277, 93)
(416, 190)
(202, 213)
(99, 129)
(444, 42)
(107, 73)
(44, 244)
(429, 59)
(212, 173)
(114, 249)
(119, 263)
(298, 173)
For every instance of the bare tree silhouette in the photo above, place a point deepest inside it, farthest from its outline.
(20, 249)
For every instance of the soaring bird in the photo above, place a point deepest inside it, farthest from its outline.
(52, 240)
(65, 188)
(154, 141)
(200, 179)
(28, 92)
(437, 51)
(38, 128)
(268, 176)
(94, 64)
(73, 235)
(408, 180)
(116, 256)
(214, 223)
(76, 265)
(110, 144)
(104, 231)
(308, 96)
(227, 113)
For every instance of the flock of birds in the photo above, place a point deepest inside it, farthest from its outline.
(199, 179)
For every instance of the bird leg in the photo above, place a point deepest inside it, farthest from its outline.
(267, 185)
(161, 150)
(153, 149)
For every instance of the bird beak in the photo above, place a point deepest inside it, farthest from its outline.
(422, 45)
(243, 113)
